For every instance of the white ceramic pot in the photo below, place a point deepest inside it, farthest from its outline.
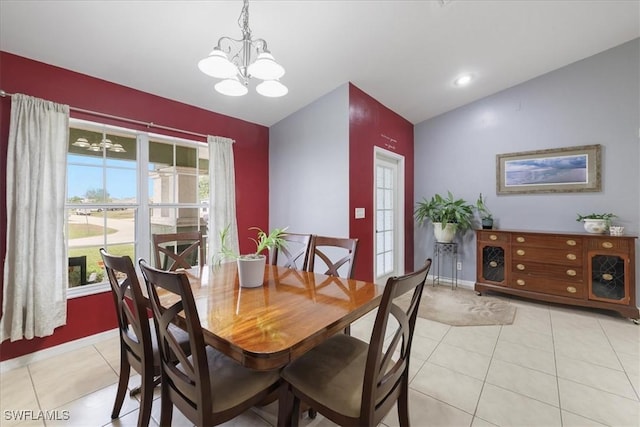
(251, 271)
(444, 234)
(595, 226)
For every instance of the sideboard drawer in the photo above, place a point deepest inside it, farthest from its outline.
(553, 256)
(553, 271)
(492, 236)
(544, 241)
(605, 243)
(547, 286)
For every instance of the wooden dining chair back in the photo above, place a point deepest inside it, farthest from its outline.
(333, 256)
(137, 341)
(208, 387)
(351, 382)
(294, 254)
(178, 250)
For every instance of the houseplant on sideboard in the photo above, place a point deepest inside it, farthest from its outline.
(596, 223)
(485, 214)
(251, 266)
(447, 214)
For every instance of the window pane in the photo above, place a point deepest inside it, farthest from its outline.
(121, 226)
(122, 151)
(121, 185)
(160, 154)
(186, 157)
(84, 184)
(175, 220)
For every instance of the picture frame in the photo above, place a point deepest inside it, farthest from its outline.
(556, 170)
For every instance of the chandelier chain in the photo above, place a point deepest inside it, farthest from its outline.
(244, 17)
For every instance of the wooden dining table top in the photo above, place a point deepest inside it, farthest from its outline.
(266, 327)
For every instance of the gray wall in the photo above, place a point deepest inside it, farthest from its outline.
(309, 167)
(593, 101)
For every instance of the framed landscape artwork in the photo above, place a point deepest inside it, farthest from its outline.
(557, 170)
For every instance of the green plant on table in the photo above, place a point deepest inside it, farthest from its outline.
(481, 206)
(275, 239)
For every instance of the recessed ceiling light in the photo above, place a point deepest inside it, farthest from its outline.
(463, 80)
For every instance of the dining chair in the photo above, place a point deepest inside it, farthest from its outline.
(178, 250)
(351, 382)
(208, 387)
(138, 346)
(294, 254)
(333, 256)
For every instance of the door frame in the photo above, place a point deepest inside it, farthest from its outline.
(399, 211)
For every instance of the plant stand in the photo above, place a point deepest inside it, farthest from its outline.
(446, 250)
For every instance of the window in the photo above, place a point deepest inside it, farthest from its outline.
(123, 186)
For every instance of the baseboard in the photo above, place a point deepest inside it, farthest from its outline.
(446, 281)
(25, 360)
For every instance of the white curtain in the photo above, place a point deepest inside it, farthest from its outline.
(222, 193)
(35, 269)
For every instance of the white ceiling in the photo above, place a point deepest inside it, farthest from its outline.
(405, 54)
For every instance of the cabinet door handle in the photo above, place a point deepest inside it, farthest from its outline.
(608, 277)
(520, 239)
(520, 282)
(520, 267)
(571, 272)
(572, 257)
(493, 237)
(571, 289)
(520, 252)
(571, 242)
(493, 264)
(607, 245)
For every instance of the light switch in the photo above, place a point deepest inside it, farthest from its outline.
(359, 213)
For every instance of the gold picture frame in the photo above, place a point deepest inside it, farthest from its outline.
(556, 170)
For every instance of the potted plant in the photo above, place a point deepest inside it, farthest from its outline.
(485, 215)
(251, 266)
(596, 223)
(447, 214)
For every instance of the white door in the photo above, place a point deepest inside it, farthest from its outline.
(389, 219)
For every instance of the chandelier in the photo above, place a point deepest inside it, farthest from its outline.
(237, 61)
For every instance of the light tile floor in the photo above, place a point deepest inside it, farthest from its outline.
(555, 366)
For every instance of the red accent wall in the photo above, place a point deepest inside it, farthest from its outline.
(372, 124)
(93, 314)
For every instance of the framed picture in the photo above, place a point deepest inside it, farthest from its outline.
(557, 170)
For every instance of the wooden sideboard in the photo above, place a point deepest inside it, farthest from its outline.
(591, 270)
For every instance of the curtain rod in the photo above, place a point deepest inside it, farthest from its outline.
(124, 119)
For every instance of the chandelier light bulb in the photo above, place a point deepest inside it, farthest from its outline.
(106, 143)
(265, 67)
(218, 65)
(81, 142)
(117, 148)
(231, 87)
(272, 89)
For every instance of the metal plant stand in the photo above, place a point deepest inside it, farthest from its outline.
(446, 250)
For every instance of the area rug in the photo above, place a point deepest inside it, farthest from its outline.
(460, 307)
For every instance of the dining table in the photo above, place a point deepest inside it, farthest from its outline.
(268, 326)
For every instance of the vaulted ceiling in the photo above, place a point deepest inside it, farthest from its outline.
(405, 54)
